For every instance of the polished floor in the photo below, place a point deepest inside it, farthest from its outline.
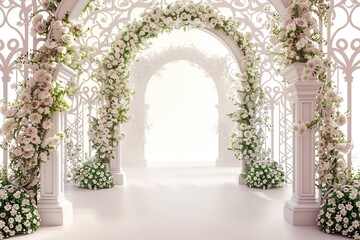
(178, 203)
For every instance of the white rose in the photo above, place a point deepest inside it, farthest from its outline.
(67, 38)
(64, 30)
(62, 50)
(8, 125)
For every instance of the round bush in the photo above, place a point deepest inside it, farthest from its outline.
(18, 214)
(94, 175)
(340, 211)
(265, 175)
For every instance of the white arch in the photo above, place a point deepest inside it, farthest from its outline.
(224, 106)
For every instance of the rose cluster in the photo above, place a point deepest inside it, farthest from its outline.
(26, 123)
(298, 34)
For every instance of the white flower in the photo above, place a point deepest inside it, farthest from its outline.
(67, 38)
(8, 126)
(52, 142)
(62, 50)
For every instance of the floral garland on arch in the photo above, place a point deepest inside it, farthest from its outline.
(300, 42)
(28, 119)
(115, 93)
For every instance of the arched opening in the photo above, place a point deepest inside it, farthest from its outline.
(182, 119)
(207, 54)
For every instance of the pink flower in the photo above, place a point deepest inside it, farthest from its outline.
(35, 118)
(40, 27)
(301, 22)
(48, 101)
(46, 4)
(35, 104)
(10, 112)
(25, 97)
(35, 139)
(301, 43)
(48, 124)
(28, 154)
(31, 131)
(43, 95)
(341, 120)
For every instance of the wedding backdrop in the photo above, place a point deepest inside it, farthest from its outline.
(280, 106)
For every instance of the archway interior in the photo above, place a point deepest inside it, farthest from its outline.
(183, 76)
(182, 119)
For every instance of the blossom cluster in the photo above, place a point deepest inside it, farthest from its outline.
(340, 210)
(265, 175)
(18, 214)
(94, 175)
(26, 123)
(298, 34)
(114, 76)
(60, 44)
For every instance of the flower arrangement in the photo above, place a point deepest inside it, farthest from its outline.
(18, 213)
(340, 210)
(300, 40)
(94, 175)
(114, 75)
(29, 118)
(265, 175)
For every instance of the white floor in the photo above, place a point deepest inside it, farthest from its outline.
(179, 203)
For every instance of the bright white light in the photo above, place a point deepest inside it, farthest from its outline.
(182, 115)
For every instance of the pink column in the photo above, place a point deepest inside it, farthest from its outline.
(53, 207)
(303, 207)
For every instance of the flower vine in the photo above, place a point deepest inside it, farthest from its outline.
(28, 119)
(300, 41)
(115, 93)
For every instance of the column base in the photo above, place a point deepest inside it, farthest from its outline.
(120, 178)
(241, 179)
(301, 214)
(55, 212)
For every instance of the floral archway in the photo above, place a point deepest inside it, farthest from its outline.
(27, 124)
(114, 72)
